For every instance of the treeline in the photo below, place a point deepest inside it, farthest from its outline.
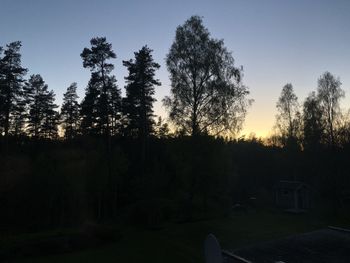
(207, 94)
(28, 106)
(318, 123)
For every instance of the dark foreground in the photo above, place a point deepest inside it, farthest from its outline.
(322, 246)
(176, 242)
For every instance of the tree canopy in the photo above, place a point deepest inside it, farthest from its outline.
(70, 111)
(138, 103)
(102, 95)
(11, 84)
(207, 94)
(41, 114)
(288, 119)
(312, 119)
(329, 95)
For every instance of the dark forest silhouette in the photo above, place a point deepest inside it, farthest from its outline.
(116, 161)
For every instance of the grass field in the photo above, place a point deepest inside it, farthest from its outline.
(184, 242)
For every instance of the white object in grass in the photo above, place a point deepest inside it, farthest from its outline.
(212, 250)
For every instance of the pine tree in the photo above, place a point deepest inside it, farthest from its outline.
(51, 117)
(34, 102)
(138, 105)
(11, 84)
(41, 114)
(102, 92)
(18, 118)
(2, 97)
(88, 109)
(114, 107)
(70, 112)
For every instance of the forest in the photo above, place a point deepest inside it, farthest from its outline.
(109, 159)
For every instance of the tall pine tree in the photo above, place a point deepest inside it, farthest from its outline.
(70, 112)
(11, 84)
(102, 94)
(42, 118)
(51, 117)
(88, 108)
(114, 106)
(138, 104)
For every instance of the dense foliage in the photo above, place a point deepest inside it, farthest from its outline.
(207, 95)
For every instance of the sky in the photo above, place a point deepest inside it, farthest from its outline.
(276, 42)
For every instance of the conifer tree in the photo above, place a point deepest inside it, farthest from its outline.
(51, 117)
(140, 93)
(70, 112)
(42, 118)
(88, 108)
(114, 107)
(102, 91)
(11, 84)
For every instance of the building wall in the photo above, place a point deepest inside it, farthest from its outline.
(293, 199)
(285, 198)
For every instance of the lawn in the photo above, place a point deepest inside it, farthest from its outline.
(184, 242)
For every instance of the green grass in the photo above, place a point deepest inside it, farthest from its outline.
(184, 242)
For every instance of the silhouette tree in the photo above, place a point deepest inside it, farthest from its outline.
(18, 117)
(288, 119)
(70, 112)
(42, 117)
(312, 120)
(114, 106)
(51, 117)
(138, 104)
(207, 95)
(34, 91)
(100, 109)
(89, 117)
(102, 94)
(11, 84)
(2, 97)
(162, 128)
(343, 131)
(329, 94)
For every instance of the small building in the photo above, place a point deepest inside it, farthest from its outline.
(292, 196)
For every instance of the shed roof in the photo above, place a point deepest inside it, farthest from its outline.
(293, 185)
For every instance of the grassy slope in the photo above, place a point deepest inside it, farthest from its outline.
(183, 242)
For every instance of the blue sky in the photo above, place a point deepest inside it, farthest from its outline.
(277, 42)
